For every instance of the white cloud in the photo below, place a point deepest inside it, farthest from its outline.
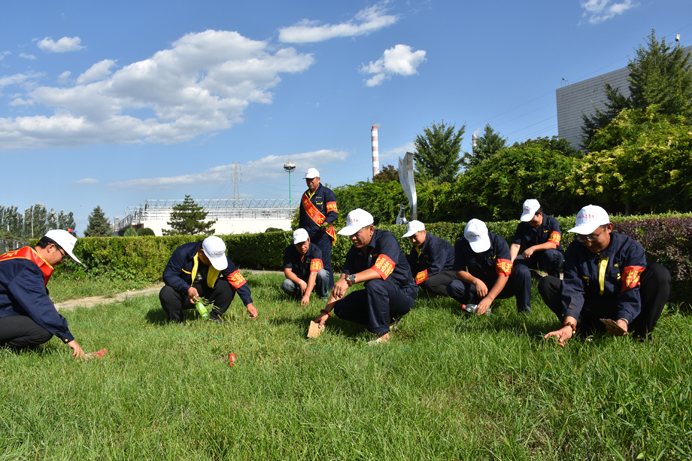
(366, 21)
(19, 79)
(98, 71)
(598, 11)
(63, 45)
(398, 151)
(63, 78)
(395, 61)
(87, 181)
(202, 84)
(20, 102)
(3, 54)
(266, 168)
(27, 56)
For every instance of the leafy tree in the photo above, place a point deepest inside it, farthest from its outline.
(188, 218)
(437, 152)
(387, 173)
(640, 162)
(659, 74)
(66, 221)
(98, 224)
(35, 221)
(495, 189)
(487, 145)
(130, 232)
(553, 144)
(52, 220)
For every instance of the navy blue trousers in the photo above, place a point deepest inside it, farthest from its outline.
(549, 261)
(519, 285)
(174, 302)
(20, 331)
(654, 289)
(375, 305)
(324, 243)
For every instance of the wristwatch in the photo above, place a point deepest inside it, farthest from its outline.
(351, 279)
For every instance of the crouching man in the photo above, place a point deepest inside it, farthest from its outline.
(607, 283)
(431, 259)
(485, 272)
(304, 269)
(377, 261)
(202, 269)
(28, 317)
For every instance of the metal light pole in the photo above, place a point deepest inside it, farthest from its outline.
(289, 167)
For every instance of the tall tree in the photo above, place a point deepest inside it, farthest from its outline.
(487, 145)
(66, 221)
(659, 74)
(98, 224)
(188, 218)
(437, 152)
(35, 221)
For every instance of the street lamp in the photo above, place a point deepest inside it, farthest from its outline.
(289, 167)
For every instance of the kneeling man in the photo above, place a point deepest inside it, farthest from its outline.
(485, 272)
(304, 269)
(607, 283)
(431, 259)
(539, 235)
(202, 269)
(377, 261)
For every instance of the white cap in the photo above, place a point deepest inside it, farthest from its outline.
(413, 227)
(590, 218)
(476, 232)
(300, 236)
(355, 221)
(311, 173)
(530, 208)
(215, 250)
(65, 240)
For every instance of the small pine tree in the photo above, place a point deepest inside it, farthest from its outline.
(487, 145)
(437, 152)
(188, 218)
(98, 224)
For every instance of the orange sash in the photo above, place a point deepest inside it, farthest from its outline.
(30, 254)
(317, 216)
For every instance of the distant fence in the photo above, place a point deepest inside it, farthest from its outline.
(9, 245)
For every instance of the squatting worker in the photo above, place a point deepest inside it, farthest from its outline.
(27, 315)
(606, 276)
(317, 215)
(377, 261)
(202, 269)
(539, 235)
(304, 269)
(431, 259)
(484, 270)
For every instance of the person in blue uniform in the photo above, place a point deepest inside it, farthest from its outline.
(202, 269)
(539, 236)
(607, 283)
(431, 259)
(484, 270)
(28, 317)
(317, 214)
(304, 269)
(377, 261)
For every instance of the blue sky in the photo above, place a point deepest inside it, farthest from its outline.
(113, 103)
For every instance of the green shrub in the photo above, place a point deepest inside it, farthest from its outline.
(130, 232)
(145, 231)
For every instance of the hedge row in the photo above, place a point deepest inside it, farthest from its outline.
(666, 238)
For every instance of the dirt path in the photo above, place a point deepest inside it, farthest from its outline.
(96, 300)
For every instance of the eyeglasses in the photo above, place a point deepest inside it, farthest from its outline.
(590, 238)
(63, 253)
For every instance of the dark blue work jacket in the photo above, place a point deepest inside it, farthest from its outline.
(549, 230)
(311, 262)
(487, 265)
(435, 255)
(178, 272)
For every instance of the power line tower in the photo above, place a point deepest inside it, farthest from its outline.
(236, 182)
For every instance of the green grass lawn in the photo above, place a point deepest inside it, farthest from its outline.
(448, 386)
